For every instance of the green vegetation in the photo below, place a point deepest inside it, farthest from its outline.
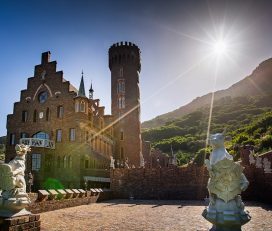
(2, 148)
(248, 120)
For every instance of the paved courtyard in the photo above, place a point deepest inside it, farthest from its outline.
(145, 215)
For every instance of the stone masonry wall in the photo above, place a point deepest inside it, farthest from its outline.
(160, 183)
(185, 183)
(49, 205)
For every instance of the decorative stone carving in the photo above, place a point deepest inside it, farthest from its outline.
(251, 157)
(267, 165)
(14, 198)
(112, 163)
(259, 163)
(226, 182)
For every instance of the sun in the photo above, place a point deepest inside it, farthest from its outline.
(220, 47)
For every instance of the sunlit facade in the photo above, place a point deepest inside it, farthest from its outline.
(69, 134)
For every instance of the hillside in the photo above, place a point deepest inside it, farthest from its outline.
(256, 84)
(248, 120)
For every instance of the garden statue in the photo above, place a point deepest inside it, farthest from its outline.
(251, 157)
(259, 163)
(267, 165)
(226, 182)
(14, 198)
(112, 163)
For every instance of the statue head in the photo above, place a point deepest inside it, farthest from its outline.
(217, 140)
(22, 149)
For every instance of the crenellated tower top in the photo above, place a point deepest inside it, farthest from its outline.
(124, 53)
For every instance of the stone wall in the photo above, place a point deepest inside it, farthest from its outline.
(186, 182)
(260, 187)
(160, 183)
(21, 223)
(49, 205)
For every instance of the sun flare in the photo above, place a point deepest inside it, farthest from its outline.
(220, 47)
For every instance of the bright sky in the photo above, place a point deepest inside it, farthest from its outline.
(176, 38)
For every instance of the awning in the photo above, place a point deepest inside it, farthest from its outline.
(96, 179)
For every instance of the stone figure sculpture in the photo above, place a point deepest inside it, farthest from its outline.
(267, 165)
(251, 157)
(226, 182)
(12, 182)
(259, 163)
(112, 163)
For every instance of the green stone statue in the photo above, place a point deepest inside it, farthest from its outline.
(226, 182)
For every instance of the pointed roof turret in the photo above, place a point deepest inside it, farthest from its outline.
(81, 91)
(91, 91)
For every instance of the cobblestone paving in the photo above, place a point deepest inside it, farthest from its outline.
(125, 215)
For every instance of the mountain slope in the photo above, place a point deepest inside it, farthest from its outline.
(257, 84)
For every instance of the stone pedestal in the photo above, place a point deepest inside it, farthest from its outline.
(23, 223)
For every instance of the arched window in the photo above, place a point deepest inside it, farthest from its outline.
(70, 161)
(121, 71)
(47, 116)
(86, 163)
(77, 107)
(24, 116)
(82, 106)
(41, 135)
(60, 111)
(65, 162)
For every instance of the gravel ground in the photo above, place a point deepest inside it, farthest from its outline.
(148, 215)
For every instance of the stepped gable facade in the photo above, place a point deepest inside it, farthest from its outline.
(69, 134)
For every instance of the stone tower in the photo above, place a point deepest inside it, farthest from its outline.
(125, 66)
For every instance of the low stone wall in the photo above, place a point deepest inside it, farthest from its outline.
(187, 183)
(37, 206)
(22, 223)
(172, 183)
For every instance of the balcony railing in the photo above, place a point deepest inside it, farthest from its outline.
(38, 143)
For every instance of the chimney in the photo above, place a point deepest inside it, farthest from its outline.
(46, 57)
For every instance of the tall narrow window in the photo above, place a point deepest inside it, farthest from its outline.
(82, 106)
(70, 161)
(47, 116)
(121, 102)
(59, 135)
(24, 116)
(36, 162)
(86, 164)
(60, 112)
(121, 86)
(35, 116)
(65, 162)
(77, 107)
(121, 72)
(12, 139)
(121, 135)
(72, 134)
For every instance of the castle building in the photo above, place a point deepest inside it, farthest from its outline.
(70, 136)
